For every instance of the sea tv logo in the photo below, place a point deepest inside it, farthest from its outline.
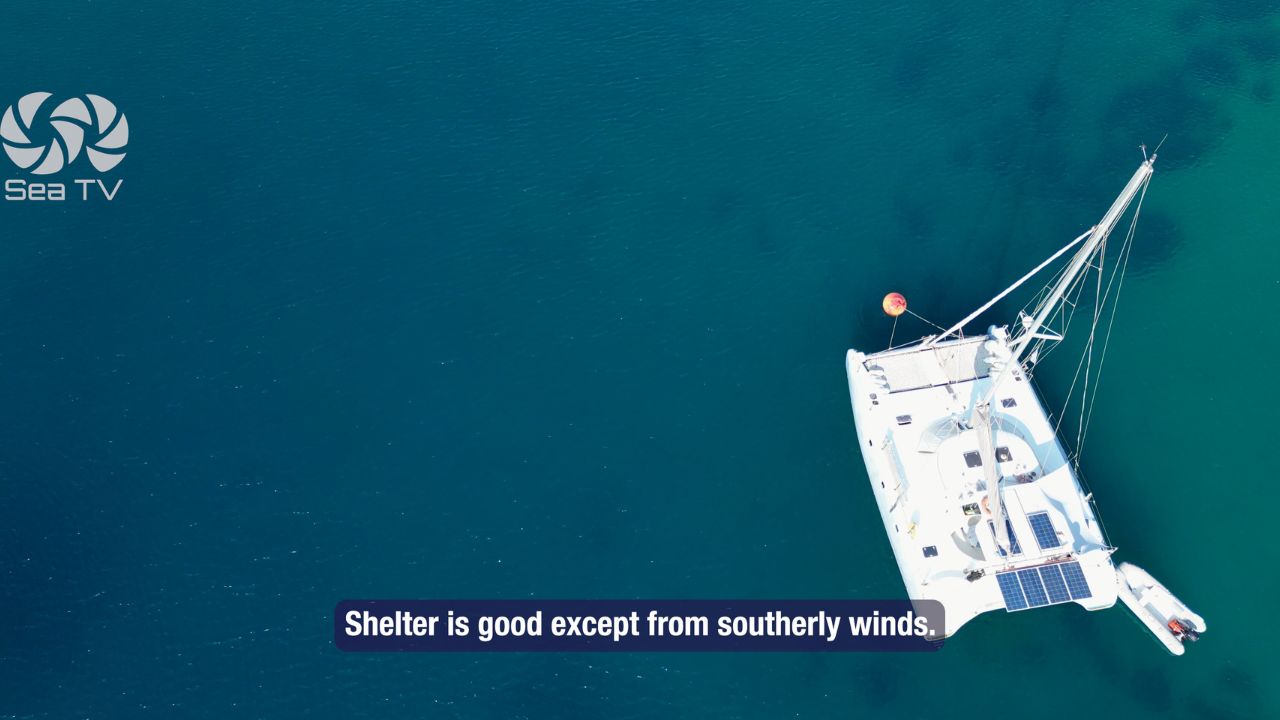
(44, 135)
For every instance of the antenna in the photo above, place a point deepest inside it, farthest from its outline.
(1153, 152)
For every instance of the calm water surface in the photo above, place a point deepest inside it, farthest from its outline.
(478, 299)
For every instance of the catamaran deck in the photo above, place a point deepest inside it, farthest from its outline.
(926, 472)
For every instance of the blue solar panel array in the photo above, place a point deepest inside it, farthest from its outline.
(1033, 588)
(1054, 584)
(1076, 584)
(1013, 597)
(1042, 526)
(1045, 585)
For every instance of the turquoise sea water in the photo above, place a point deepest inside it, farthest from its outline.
(476, 299)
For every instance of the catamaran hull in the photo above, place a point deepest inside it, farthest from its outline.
(896, 524)
(961, 599)
(980, 501)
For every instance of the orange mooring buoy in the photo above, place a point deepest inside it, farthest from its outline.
(894, 304)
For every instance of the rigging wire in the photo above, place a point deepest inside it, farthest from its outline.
(1093, 334)
(1062, 318)
(1102, 296)
(1117, 278)
(1067, 299)
(1071, 296)
(917, 316)
(1126, 252)
(1077, 289)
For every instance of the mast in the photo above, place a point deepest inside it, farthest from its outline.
(987, 305)
(1086, 253)
(1083, 257)
(1095, 234)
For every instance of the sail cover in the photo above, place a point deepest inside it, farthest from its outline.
(986, 449)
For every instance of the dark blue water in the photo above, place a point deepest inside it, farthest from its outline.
(487, 300)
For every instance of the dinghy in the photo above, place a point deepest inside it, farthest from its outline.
(1168, 618)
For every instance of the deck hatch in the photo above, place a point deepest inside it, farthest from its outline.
(1046, 534)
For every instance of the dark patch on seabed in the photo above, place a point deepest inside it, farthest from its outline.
(1158, 238)
(1261, 44)
(1143, 679)
(1215, 64)
(1264, 92)
(1234, 694)
(1175, 104)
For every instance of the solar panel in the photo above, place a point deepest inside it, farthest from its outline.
(1076, 584)
(1043, 585)
(1042, 526)
(1054, 584)
(1033, 588)
(1013, 597)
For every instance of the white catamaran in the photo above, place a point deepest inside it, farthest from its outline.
(981, 500)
